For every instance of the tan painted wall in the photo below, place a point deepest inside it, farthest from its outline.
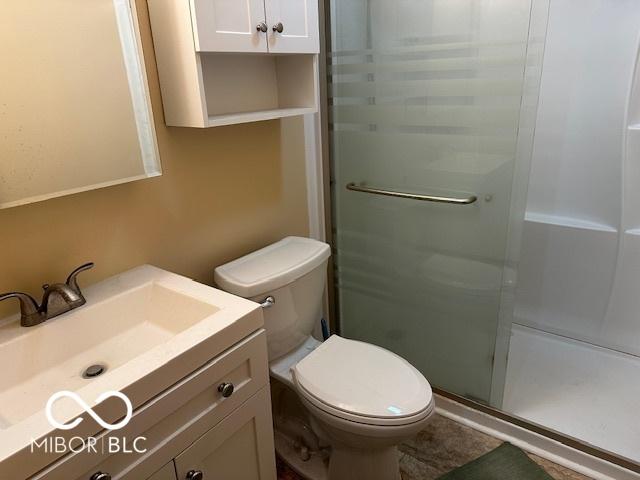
(225, 191)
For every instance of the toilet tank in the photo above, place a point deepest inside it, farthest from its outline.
(293, 271)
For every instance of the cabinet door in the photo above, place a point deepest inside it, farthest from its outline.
(228, 25)
(240, 447)
(168, 472)
(299, 21)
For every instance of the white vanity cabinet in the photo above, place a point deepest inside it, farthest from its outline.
(232, 450)
(194, 430)
(222, 62)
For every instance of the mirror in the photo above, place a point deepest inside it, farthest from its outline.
(75, 112)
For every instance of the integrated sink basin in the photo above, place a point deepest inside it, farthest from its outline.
(110, 333)
(147, 329)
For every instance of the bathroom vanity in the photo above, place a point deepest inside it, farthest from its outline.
(191, 359)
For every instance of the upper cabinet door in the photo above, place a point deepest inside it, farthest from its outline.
(293, 26)
(229, 25)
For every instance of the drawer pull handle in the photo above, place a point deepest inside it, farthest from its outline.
(195, 475)
(100, 476)
(226, 389)
(278, 27)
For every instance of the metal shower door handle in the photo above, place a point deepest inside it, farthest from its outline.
(414, 196)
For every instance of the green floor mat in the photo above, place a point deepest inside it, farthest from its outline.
(504, 463)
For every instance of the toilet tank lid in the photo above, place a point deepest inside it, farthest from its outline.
(271, 267)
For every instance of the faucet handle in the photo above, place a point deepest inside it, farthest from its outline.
(28, 305)
(72, 278)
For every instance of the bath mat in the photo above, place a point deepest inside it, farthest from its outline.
(504, 463)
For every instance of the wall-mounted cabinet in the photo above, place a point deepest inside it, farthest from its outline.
(222, 62)
(275, 26)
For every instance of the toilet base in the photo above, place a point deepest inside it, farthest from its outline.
(343, 464)
(322, 446)
(313, 468)
(360, 451)
(349, 464)
(331, 455)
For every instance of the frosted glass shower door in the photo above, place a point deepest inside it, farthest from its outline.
(425, 99)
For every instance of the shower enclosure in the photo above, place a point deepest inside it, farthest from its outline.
(486, 210)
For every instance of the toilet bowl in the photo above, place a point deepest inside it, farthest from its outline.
(362, 400)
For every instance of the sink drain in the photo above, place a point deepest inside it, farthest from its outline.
(94, 371)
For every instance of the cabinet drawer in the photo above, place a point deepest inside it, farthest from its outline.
(238, 448)
(172, 420)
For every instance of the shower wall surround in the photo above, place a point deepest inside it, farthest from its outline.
(573, 357)
(581, 252)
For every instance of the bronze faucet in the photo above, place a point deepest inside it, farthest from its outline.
(56, 300)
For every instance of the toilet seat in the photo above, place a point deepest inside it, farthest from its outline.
(363, 383)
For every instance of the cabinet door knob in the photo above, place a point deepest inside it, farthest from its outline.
(262, 27)
(195, 475)
(100, 476)
(226, 389)
(278, 27)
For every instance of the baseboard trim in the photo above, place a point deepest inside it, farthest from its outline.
(545, 447)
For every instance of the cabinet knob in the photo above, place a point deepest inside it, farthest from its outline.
(100, 476)
(226, 389)
(195, 475)
(278, 27)
(262, 27)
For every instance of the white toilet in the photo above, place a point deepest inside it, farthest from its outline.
(362, 399)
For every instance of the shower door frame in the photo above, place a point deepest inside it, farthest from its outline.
(332, 310)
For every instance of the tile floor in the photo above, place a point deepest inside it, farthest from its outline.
(443, 446)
